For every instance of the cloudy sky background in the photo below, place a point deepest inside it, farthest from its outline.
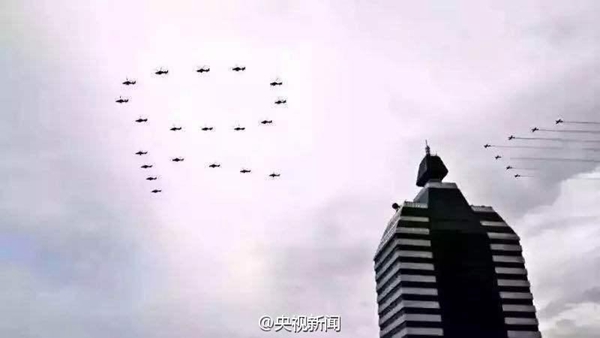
(87, 251)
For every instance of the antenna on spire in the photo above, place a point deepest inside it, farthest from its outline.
(427, 150)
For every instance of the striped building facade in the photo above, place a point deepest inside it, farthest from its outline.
(445, 268)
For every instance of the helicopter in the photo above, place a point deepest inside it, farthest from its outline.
(128, 82)
(511, 137)
(177, 159)
(239, 128)
(156, 191)
(141, 153)
(214, 165)
(534, 129)
(244, 171)
(121, 100)
(498, 157)
(266, 121)
(161, 72)
(146, 166)
(559, 121)
(487, 145)
(151, 178)
(140, 120)
(273, 175)
(276, 83)
(203, 69)
(175, 128)
(509, 167)
(238, 69)
(280, 101)
(207, 128)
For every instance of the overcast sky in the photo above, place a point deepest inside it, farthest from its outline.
(87, 251)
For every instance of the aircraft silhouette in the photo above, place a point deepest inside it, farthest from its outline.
(509, 167)
(559, 121)
(266, 121)
(156, 191)
(141, 153)
(151, 178)
(517, 175)
(511, 137)
(121, 100)
(273, 175)
(276, 83)
(129, 82)
(487, 145)
(203, 69)
(239, 128)
(238, 69)
(534, 129)
(243, 171)
(280, 101)
(177, 159)
(140, 120)
(175, 128)
(214, 165)
(498, 157)
(146, 166)
(207, 128)
(161, 72)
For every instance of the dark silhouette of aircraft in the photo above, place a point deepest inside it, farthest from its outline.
(509, 167)
(156, 191)
(140, 120)
(498, 157)
(280, 101)
(161, 72)
(121, 100)
(177, 159)
(151, 178)
(207, 128)
(175, 128)
(129, 82)
(559, 121)
(243, 171)
(214, 165)
(276, 83)
(273, 175)
(239, 128)
(511, 137)
(238, 69)
(517, 175)
(141, 153)
(203, 69)
(487, 145)
(266, 121)
(534, 129)
(146, 166)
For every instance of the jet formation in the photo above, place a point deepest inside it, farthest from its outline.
(571, 146)
(201, 70)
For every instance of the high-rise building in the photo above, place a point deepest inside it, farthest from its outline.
(445, 268)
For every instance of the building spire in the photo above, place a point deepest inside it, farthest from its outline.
(427, 149)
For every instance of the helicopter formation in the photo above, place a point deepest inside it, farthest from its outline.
(161, 72)
(562, 141)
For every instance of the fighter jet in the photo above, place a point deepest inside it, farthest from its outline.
(238, 69)
(509, 167)
(276, 83)
(214, 165)
(207, 128)
(487, 145)
(534, 129)
(121, 100)
(273, 175)
(203, 69)
(239, 128)
(511, 137)
(559, 121)
(244, 171)
(280, 101)
(129, 82)
(141, 153)
(140, 120)
(146, 166)
(161, 72)
(266, 121)
(175, 129)
(156, 191)
(498, 157)
(177, 159)
(151, 178)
